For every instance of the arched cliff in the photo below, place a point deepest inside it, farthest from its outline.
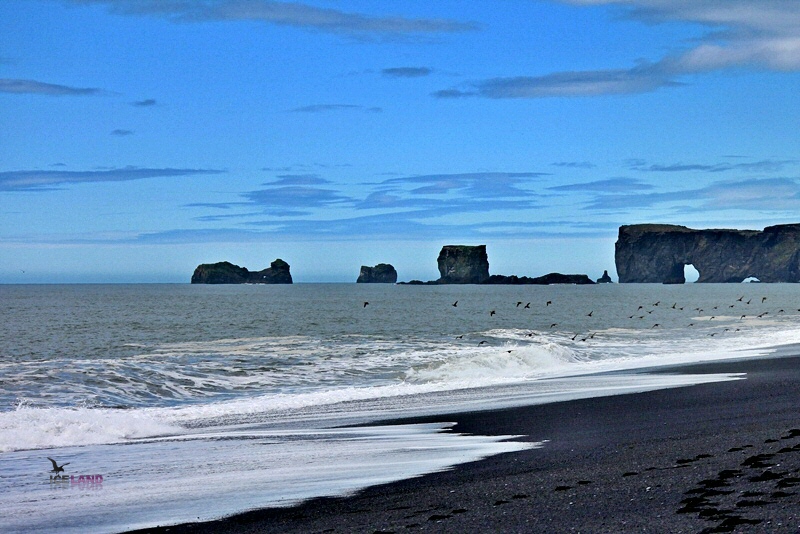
(658, 253)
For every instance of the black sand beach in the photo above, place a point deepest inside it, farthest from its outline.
(722, 457)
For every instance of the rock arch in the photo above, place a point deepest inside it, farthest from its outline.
(657, 253)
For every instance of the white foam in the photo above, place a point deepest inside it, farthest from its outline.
(161, 483)
(39, 428)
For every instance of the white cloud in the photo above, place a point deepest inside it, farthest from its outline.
(754, 34)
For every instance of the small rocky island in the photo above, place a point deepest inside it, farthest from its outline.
(658, 253)
(605, 279)
(383, 273)
(227, 273)
(465, 264)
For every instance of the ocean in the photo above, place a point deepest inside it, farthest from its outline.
(176, 403)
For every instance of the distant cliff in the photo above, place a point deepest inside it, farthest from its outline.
(228, 273)
(383, 273)
(659, 252)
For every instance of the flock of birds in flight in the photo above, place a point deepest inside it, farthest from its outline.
(643, 312)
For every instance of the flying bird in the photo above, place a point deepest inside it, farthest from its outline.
(590, 313)
(763, 299)
(492, 313)
(519, 303)
(528, 305)
(455, 304)
(57, 468)
(366, 304)
(549, 302)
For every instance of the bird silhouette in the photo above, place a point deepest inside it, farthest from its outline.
(763, 299)
(590, 313)
(519, 303)
(549, 302)
(492, 313)
(455, 304)
(366, 304)
(528, 305)
(57, 468)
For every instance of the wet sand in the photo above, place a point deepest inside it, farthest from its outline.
(721, 457)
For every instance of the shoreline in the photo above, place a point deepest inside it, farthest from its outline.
(712, 456)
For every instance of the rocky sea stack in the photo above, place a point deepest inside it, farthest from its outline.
(227, 273)
(465, 264)
(659, 252)
(383, 273)
(605, 279)
(462, 264)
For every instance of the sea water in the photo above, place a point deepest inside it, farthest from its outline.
(177, 403)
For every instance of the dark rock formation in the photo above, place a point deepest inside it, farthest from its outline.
(605, 279)
(383, 273)
(552, 278)
(461, 264)
(228, 273)
(659, 252)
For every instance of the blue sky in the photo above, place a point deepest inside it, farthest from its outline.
(139, 138)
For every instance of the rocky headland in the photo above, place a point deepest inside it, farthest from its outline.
(383, 273)
(227, 273)
(657, 253)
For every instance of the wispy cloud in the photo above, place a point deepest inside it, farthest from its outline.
(121, 133)
(574, 164)
(323, 108)
(146, 103)
(298, 179)
(767, 166)
(33, 87)
(755, 34)
(480, 185)
(640, 79)
(611, 185)
(295, 14)
(47, 180)
(769, 194)
(406, 72)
